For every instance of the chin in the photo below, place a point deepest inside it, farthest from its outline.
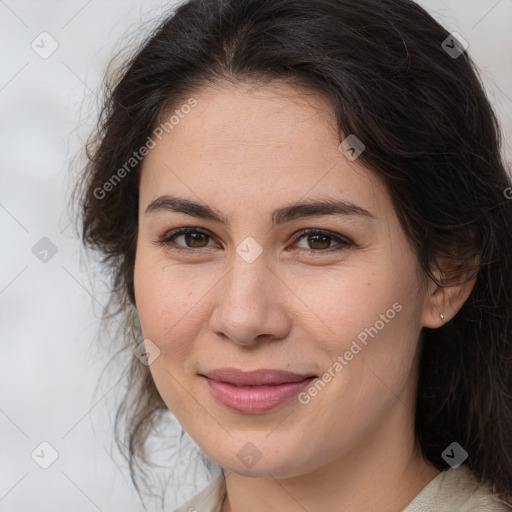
(259, 459)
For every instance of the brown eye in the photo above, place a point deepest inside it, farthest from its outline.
(320, 241)
(192, 238)
(317, 241)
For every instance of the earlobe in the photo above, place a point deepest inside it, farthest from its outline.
(445, 301)
(435, 307)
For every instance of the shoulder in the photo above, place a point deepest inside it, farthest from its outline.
(208, 500)
(456, 490)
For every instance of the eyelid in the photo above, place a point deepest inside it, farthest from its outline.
(166, 238)
(341, 240)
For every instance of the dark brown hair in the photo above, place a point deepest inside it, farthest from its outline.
(430, 132)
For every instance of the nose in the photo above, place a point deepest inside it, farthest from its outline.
(250, 304)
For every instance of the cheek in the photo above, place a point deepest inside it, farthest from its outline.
(148, 298)
(169, 307)
(158, 296)
(352, 304)
(160, 305)
(373, 321)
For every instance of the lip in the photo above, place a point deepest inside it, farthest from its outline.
(261, 377)
(257, 391)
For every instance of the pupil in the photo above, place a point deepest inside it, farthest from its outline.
(194, 237)
(311, 237)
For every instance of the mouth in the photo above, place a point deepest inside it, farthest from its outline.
(257, 391)
(260, 377)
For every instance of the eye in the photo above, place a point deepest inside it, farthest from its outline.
(319, 241)
(194, 238)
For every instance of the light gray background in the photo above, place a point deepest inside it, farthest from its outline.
(48, 318)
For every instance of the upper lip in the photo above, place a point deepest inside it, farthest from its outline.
(255, 377)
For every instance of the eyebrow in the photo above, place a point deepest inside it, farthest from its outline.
(280, 216)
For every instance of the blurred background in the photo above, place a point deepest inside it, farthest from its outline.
(56, 405)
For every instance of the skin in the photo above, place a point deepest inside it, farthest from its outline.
(246, 151)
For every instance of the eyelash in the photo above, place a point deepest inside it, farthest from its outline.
(344, 243)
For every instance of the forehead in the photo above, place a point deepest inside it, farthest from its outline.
(252, 138)
(246, 115)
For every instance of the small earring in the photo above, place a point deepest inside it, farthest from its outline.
(442, 317)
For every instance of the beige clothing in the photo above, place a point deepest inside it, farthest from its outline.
(453, 490)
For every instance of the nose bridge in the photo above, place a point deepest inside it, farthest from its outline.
(246, 281)
(248, 305)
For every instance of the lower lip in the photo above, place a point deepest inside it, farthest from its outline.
(255, 399)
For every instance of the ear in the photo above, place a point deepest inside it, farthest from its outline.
(456, 283)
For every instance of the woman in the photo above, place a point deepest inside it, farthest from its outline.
(303, 203)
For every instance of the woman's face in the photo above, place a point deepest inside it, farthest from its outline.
(248, 291)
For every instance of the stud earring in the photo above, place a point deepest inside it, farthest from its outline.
(442, 317)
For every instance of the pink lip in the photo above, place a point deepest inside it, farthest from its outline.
(261, 377)
(256, 391)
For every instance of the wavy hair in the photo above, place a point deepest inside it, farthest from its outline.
(430, 132)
